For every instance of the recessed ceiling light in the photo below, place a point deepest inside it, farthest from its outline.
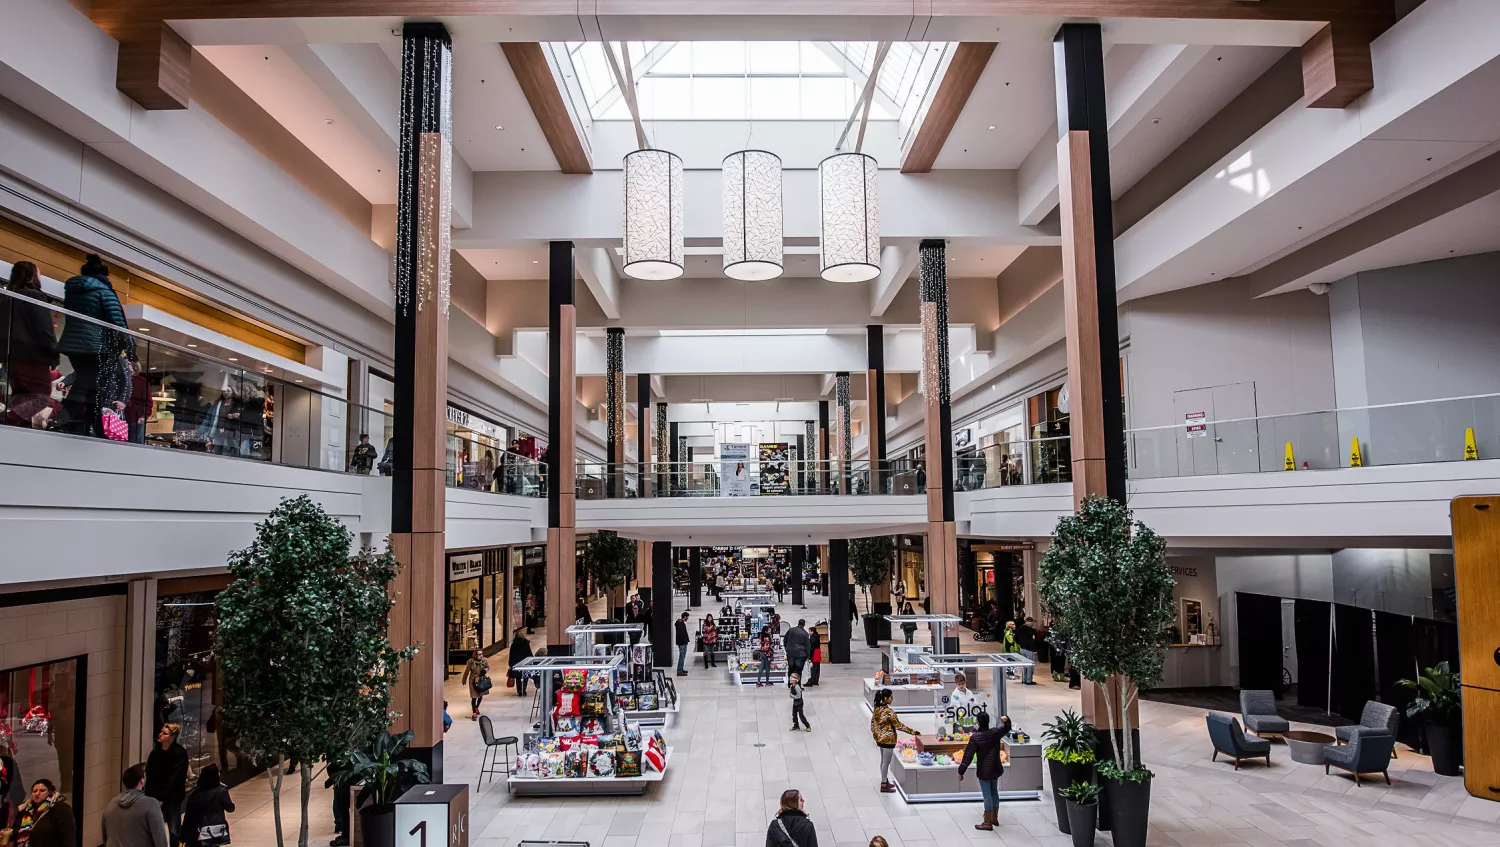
(192, 345)
(328, 121)
(499, 127)
(992, 127)
(299, 382)
(535, 262)
(233, 359)
(144, 329)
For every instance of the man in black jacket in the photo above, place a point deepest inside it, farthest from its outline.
(683, 641)
(166, 776)
(798, 647)
(1026, 640)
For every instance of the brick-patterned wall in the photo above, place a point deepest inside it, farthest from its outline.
(49, 632)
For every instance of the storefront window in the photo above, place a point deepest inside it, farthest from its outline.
(188, 688)
(1051, 450)
(529, 587)
(463, 622)
(40, 730)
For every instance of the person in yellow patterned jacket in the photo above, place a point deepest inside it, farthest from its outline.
(883, 727)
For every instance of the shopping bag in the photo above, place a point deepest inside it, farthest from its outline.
(115, 428)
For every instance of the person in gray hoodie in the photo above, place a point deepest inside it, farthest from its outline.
(133, 819)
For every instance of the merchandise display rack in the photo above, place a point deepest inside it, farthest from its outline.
(545, 668)
(583, 635)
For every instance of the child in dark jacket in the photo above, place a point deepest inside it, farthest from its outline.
(794, 687)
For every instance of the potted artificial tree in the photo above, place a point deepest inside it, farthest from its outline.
(302, 646)
(1105, 584)
(1070, 758)
(383, 774)
(609, 560)
(1439, 705)
(870, 561)
(1082, 799)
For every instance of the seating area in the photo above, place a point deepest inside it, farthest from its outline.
(1228, 738)
(1258, 711)
(1375, 719)
(1365, 754)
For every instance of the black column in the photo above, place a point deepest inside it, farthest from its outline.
(674, 473)
(642, 432)
(614, 412)
(695, 577)
(823, 447)
(875, 356)
(1082, 125)
(968, 576)
(661, 603)
(798, 556)
(838, 601)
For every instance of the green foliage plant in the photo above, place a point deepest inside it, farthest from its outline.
(871, 560)
(381, 771)
(1070, 739)
(1438, 699)
(1135, 773)
(302, 644)
(1105, 584)
(1082, 793)
(609, 560)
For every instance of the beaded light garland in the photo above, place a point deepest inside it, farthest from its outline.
(425, 170)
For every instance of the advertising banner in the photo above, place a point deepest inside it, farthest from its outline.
(734, 469)
(958, 712)
(775, 467)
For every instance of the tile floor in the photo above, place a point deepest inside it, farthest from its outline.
(734, 756)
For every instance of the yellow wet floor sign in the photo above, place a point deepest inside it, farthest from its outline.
(1471, 451)
(1355, 460)
(1291, 461)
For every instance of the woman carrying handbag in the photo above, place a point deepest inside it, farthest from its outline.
(477, 677)
(203, 820)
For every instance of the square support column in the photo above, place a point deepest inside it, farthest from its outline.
(661, 604)
(839, 593)
(875, 404)
(695, 577)
(798, 558)
(941, 556)
(614, 412)
(562, 465)
(643, 434)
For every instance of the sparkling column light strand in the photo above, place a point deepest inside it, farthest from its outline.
(810, 457)
(752, 215)
(845, 430)
(849, 217)
(614, 400)
(661, 446)
(428, 125)
(934, 289)
(682, 463)
(653, 215)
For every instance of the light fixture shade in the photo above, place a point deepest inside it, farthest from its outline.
(849, 217)
(653, 215)
(752, 215)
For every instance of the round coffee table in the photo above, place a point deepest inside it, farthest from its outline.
(1307, 747)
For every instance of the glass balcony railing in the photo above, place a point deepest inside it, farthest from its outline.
(749, 479)
(104, 381)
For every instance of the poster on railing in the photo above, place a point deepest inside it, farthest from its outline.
(775, 465)
(734, 469)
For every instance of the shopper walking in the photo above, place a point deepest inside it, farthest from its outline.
(166, 777)
(853, 610)
(984, 750)
(93, 350)
(30, 348)
(203, 821)
(883, 728)
(794, 688)
(1026, 640)
(45, 819)
(798, 647)
(791, 827)
(909, 628)
(710, 642)
(477, 677)
(766, 650)
(133, 819)
(683, 642)
(520, 651)
(815, 654)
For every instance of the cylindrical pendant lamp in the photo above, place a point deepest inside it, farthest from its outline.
(849, 215)
(653, 215)
(752, 215)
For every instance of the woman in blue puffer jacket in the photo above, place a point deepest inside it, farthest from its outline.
(93, 349)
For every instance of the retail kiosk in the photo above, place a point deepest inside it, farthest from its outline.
(912, 683)
(585, 636)
(932, 775)
(537, 782)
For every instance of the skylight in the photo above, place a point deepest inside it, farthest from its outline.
(755, 80)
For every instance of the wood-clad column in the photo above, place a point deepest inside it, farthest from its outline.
(695, 577)
(643, 434)
(940, 555)
(661, 604)
(562, 463)
(875, 404)
(419, 455)
(614, 412)
(839, 592)
(643, 570)
(1091, 316)
(798, 556)
(823, 459)
(843, 429)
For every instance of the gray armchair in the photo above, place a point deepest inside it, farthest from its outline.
(1364, 754)
(1227, 737)
(1375, 719)
(1258, 709)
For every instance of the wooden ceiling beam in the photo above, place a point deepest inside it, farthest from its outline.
(964, 69)
(539, 85)
(153, 67)
(1336, 66)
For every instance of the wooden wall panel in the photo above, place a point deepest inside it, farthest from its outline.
(1476, 574)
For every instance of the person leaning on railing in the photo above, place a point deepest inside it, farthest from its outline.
(94, 350)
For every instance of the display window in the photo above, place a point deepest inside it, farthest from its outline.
(188, 687)
(41, 732)
(529, 587)
(1051, 450)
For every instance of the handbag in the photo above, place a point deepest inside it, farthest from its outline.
(484, 684)
(510, 682)
(115, 428)
(213, 835)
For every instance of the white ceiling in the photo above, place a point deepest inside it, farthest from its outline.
(486, 95)
(1015, 95)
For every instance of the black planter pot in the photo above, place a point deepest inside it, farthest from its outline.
(1129, 811)
(1081, 821)
(377, 829)
(872, 632)
(1064, 775)
(1446, 749)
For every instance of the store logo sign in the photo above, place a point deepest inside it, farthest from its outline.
(458, 417)
(465, 567)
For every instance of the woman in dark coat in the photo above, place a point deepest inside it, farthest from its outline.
(92, 349)
(791, 827)
(984, 749)
(46, 819)
(30, 348)
(520, 651)
(203, 821)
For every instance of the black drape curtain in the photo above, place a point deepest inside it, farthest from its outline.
(1396, 659)
(1259, 625)
(1311, 622)
(1435, 641)
(1353, 660)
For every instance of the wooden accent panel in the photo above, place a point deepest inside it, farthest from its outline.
(154, 68)
(1481, 753)
(940, 561)
(540, 87)
(429, 587)
(1476, 575)
(964, 69)
(562, 582)
(567, 442)
(1081, 313)
(399, 628)
(1336, 66)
